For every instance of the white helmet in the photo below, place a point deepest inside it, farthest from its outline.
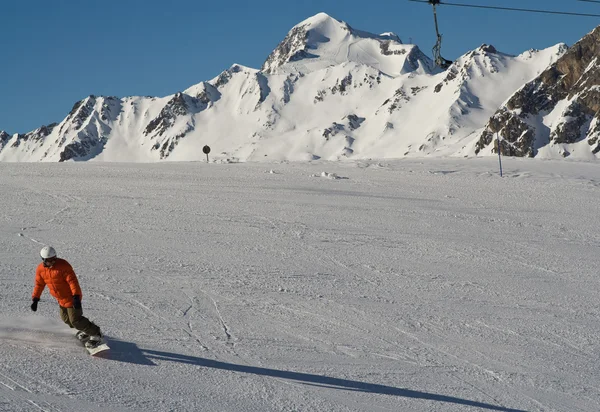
(48, 252)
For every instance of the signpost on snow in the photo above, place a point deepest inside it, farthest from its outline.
(206, 151)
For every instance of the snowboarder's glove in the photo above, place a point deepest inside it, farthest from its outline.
(77, 301)
(34, 304)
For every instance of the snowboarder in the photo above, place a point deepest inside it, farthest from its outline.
(64, 286)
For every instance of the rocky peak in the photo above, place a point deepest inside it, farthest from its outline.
(302, 38)
(37, 135)
(576, 70)
(573, 79)
(224, 77)
(416, 58)
(179, 105)
(45, 130)
(484, 53)
(390, 36)
(79, 113)
(576, 63)
(481, 61)
(40, 133)
(4, 137)
(324, 39)
(486, 48)
(204, 92)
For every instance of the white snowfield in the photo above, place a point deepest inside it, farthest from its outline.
(401, 285)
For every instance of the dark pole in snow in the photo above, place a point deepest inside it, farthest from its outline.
(206, 151)
(499, 150)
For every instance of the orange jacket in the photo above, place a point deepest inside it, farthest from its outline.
(61, 280)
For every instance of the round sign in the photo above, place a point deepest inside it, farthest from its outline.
(206, 149)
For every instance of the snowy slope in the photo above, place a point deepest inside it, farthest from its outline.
(404, 285)
(328, 91)
(322, 41)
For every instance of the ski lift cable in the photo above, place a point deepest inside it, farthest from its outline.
(444, 63)
(565, 13)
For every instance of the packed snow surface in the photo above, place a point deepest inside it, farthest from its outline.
(401, 285)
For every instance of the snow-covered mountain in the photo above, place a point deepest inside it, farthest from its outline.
(329, 91)
(557, 114)
(321, 41)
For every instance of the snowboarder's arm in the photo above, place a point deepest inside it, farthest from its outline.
(73, 282)
(39, 285)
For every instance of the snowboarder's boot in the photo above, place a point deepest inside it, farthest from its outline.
(93, 341)
(82, 336)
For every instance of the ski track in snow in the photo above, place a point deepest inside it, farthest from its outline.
(425, 285)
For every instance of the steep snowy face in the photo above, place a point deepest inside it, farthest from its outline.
(465, 85)
(204, 92)
(81, 135)
(28, 142)
(173, 122)
(555, 114)
(478, 82)
(322, 41)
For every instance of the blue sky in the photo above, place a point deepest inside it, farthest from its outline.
(54, 53)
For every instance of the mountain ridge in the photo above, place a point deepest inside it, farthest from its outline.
(327, 91)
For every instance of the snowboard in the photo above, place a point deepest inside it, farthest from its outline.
(102, 347)
(98, 349)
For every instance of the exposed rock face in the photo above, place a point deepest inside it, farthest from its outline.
(84, 132)
(354, 121)
(415, 58)
(569, 90)
(340, 134)
(400, 96)
(504, 122)
(305, 37)
(350, 123)
(36, 136)
(177, 106)
(263, 85)
(343, 85)
(181, 106)
(80, 149)
(323, 39)
(206, 93)
(79, 113)
(292, 48)
(385, 49)
(569, 131)
(224, 77)
(3, 138)
(289, 85)
(484, 56)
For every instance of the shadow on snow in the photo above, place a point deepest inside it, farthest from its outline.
(130, 353)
